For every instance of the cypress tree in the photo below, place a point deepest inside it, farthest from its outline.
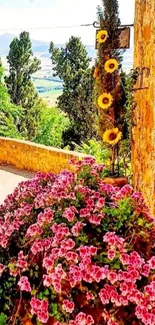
(108, 82)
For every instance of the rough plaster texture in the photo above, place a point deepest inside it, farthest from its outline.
(143, 153)
(33, 157)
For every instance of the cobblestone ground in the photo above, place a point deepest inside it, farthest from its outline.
(9, 179)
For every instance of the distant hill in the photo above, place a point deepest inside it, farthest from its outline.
(37, 46)
(41, 50)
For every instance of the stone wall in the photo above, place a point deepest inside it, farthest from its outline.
(143, 153)
(34, 157)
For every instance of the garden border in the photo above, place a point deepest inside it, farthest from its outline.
(35, 157)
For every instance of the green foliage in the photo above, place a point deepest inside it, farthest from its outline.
(9, 113)
(128, 81)
(3, 319)
(71, 65)
(22, 65)
(30, 121)
(94, 148)
(67, 61)
(52, 125)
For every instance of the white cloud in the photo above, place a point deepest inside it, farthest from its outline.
(60, 13)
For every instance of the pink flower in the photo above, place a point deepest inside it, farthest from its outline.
(85, 212)
(40, 308)
(151, 263)
(77, 228)
(24, 284)
(145, 270)
(43, 316)
(3, 241)
(112, 276)
(93, 250)
(71, 322)
(125, 259)
(22, 264)
(60, 229)
(71, 256)
(95, 219)
(37, 247)
(47, 281)
(136, 260)
(48, 262)
(34, 230)
(68, 306)
(35, 305)
(69, 214)
(84, 251)
(45, 217)
(68, 244)
(21, 256)
(90, 296)
(100, 203)
(111, 254)
(89, 320)
(83, 319)
(2, 268)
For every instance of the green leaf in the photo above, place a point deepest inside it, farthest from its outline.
(3, 319)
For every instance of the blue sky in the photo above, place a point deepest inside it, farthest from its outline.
(38, 16)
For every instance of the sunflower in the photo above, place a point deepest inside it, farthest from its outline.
(111, 65)
(112, 136)
(105, 100)
(102, 36)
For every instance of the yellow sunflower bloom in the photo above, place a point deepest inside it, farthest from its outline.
(96, 72)
(105, 101)
(112, 136)
(111, 65)
(102, 36)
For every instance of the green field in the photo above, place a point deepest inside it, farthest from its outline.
(45, 83)
(49, 95)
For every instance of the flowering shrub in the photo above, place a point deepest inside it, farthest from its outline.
(76, 251)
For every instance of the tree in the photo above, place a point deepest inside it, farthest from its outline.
(109, 93)
(9, 113)
(22, 66)
(71, 64)
(52, 125)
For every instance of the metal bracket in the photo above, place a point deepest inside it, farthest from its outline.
(96, 25)
(141, 74)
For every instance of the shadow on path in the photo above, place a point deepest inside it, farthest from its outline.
(10, 177)
(15, 171)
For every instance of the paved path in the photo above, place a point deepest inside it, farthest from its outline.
(9, 179)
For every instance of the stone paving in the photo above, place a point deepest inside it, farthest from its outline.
(9, 179)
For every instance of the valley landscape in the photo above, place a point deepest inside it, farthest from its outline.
(49, 87)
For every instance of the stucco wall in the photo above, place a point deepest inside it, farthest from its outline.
(34, 157)
(143, 153)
